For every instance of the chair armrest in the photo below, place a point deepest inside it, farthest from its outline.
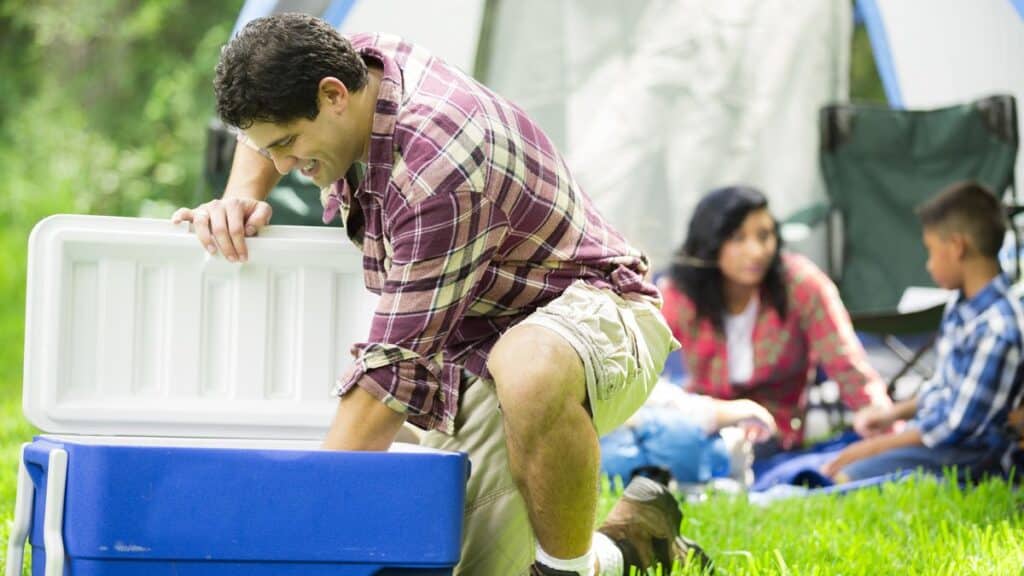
(896, 323)
(798, 225)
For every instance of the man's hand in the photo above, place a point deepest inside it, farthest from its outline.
(224, 223)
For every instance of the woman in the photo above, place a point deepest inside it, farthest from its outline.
(755, 322)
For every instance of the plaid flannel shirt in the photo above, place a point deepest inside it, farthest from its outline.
(468, 220)
(816, 330)
(977, 377)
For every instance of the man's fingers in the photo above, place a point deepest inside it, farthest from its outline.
(201, 223)
(259, 218)
(236, 231)
(223, 224)
(181, 215)
(221, 234)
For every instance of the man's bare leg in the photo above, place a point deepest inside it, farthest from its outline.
(553, 447)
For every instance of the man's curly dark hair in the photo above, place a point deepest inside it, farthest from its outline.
(271, 71)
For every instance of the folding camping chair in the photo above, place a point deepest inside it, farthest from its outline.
(878, 165)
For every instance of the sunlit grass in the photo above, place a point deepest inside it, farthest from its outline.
(919, 527)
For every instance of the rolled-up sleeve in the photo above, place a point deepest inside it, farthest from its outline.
(441, 247)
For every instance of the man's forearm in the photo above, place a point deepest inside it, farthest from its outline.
(252, 175)
(363, 423)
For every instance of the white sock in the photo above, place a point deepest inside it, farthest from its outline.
(609, 557)
(583, 565)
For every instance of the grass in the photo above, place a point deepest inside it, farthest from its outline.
(14, 430)
(918, 527)
(923, 526)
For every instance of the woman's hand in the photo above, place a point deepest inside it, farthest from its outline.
(871, 421)
(755, 420)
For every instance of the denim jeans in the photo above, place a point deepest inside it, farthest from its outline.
(660, 437)
(929, 460)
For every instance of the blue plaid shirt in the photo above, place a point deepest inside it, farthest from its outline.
(976, 382)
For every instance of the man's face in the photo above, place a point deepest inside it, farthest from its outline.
(322, 149)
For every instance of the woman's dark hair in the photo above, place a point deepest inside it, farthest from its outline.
(271, 71)
(695, 268)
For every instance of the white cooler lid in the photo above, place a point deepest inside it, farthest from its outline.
(132, 329)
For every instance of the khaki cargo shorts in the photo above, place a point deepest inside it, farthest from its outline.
(623, 344)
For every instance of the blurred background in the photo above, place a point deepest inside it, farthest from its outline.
(103, 108)
(106, 106)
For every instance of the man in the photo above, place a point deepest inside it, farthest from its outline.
(514, 324)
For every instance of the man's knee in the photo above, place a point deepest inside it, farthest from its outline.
(536, 371)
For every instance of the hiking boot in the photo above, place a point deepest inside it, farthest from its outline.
(644, 524)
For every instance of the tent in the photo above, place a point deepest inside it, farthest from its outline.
(653, 102)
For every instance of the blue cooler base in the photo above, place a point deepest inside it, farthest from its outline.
(198, 568)
(203, 510)
(157, 568)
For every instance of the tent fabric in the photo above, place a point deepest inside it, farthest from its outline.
(962, 50)
(453, 37)
(655, 102)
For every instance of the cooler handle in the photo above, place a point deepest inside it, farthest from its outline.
(22, 519)
(53, 515)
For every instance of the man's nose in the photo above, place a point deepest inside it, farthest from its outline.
(284, 164)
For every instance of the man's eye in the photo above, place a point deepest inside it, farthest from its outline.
(284, 143)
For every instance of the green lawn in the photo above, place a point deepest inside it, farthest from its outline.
(922, 527)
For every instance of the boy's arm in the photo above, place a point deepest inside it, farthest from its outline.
(871, 447)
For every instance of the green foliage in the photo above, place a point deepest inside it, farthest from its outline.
(865, 84)
(108, 102)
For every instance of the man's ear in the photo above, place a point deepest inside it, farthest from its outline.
(332, 94)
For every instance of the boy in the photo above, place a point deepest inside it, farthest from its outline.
(959, 415)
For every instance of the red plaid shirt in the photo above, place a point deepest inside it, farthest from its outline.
(816, 331)
(470, 221)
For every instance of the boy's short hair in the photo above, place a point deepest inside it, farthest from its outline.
(971, 209)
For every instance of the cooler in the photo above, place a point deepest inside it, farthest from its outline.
(183, 398)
